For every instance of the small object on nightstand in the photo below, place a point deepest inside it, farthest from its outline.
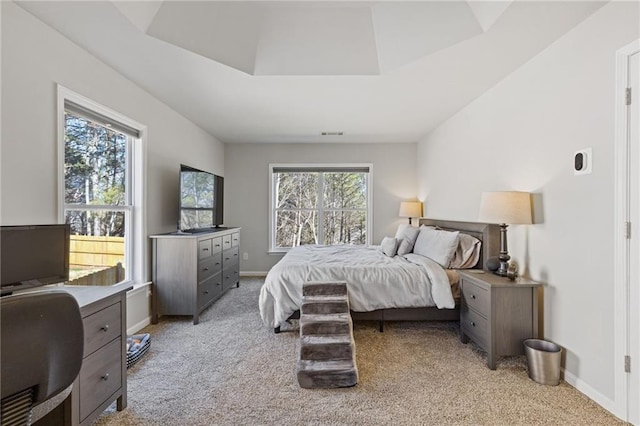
(512, 271)
(493, 263)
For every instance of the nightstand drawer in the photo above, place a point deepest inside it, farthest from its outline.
(475, 325)
(476, 297)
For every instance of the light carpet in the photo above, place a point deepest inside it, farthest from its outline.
(232, 370)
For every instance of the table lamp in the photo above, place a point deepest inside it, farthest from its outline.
(505, 208)
(410, 209)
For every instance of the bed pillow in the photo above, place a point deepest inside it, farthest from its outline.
(437, 245)
(389, 246)
(406, 236)
(467, 253)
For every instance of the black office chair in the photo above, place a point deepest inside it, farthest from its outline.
(42, 346)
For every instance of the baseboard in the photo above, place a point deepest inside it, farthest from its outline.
(253, 273)
(596, 396)
(139, 326)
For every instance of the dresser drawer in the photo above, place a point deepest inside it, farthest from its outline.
(475, 325)
(226, 242)
(235, 239)
(209, 266)
(100, 376)
(476, 297)
(217, 244)
(230, 277)
(230, 257)
(101, 328)
(205, 248)
(209, 290)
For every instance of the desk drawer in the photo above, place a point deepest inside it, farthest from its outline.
(476, 326)
(101, 328)
(210, 266)
(100, 376)
(235, 239)
(476, 297)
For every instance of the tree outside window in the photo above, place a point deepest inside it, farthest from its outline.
(97, 200)
(319, 206)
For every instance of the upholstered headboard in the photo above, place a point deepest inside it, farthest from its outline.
(488, 233)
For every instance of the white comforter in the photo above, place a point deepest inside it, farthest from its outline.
(374, 281)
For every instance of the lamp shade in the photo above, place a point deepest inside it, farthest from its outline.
(510, 207)
(410, 209)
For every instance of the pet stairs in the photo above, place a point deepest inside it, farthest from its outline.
(327, 349)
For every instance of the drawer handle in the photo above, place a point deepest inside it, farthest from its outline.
(473, 296)
(205, 269)
(105, 328)
(105, 377)
(217, 245)
(227, 258)
(217, 283)
(206, 292)
(217, 263)
(473, 324)
(205, 249)
(235, 254)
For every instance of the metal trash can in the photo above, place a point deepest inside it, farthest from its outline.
(543, 360)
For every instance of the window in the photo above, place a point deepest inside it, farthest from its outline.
(100, 182)
(313, 204)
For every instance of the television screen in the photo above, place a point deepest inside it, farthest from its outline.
(201, 199)
(33, 255)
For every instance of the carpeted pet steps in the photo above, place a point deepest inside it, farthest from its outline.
(327, 349)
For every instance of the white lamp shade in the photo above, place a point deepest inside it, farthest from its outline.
(510, 207)
(410, 209)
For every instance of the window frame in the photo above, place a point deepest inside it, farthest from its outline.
(136, 253)
(324, 168)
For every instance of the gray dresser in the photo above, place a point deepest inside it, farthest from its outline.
(497, 314)
(191, 271)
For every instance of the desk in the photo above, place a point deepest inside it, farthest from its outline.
(103, 376)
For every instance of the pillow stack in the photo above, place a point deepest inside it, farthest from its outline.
(450, 249)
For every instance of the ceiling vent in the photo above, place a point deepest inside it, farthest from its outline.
(332, 133)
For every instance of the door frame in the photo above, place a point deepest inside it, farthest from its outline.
(622, 304)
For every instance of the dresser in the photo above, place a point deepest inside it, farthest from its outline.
(497, 314)
(191, 271)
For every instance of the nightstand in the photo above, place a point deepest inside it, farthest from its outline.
(497, 314)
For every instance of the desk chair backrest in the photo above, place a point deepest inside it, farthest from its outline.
(42, 343)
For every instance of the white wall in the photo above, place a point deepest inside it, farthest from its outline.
(247, 187)
(521, 135)
(34, 59)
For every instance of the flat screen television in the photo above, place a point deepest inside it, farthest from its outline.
(201, 200)
(33, 255)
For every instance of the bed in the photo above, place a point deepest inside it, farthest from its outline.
(381, 288)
